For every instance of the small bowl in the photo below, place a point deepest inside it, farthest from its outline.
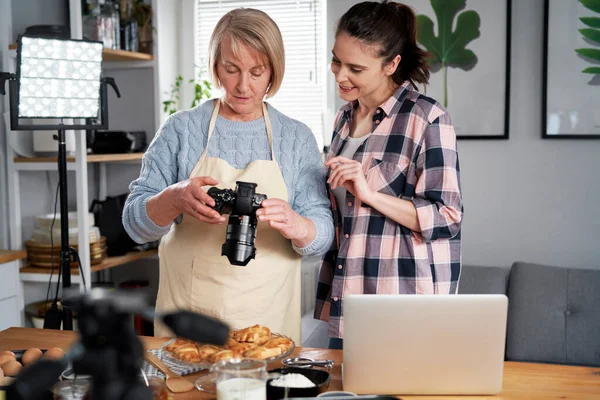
(319, 377)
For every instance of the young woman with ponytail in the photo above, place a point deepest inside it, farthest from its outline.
(393, 169)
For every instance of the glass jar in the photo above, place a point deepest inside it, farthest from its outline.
(236, 379)
(71, 390)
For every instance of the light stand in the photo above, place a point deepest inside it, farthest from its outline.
(68, 74)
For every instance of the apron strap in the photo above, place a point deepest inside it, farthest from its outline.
(269, 129)
(213, 121)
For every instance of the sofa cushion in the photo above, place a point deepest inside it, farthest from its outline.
(554, 314)
(483, 280)
(314, 332)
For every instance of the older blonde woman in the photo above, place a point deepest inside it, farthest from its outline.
(237, 137)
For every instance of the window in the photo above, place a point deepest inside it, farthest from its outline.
(301, 95)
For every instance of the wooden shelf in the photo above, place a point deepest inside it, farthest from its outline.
(115, 55)
(108, 263)
(91, 158)
(12, 255)
(122, 55)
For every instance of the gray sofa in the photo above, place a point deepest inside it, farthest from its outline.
(553, 312)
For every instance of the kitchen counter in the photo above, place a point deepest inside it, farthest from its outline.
(521, 380)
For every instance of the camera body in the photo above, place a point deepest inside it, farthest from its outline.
(241, 204)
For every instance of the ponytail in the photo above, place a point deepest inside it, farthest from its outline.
(393, 27)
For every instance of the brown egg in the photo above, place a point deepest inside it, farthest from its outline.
(31, 356)
(55, 353)
(6, 357)
(11, 368)
(7, 352)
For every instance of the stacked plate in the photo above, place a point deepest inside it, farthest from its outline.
(47, 229)
(47, 256)
(43, 249)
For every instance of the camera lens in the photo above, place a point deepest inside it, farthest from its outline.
(239, 239)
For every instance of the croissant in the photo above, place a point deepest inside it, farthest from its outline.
(240, 348)
(188, 352)
(221, 355)
(206, 351)
(282, 343)
(262, 352)
(176, 343)
(254, 334)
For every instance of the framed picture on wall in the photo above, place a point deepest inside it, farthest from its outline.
(571, 78)
(469, 46)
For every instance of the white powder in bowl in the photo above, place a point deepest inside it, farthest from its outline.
(292, 381)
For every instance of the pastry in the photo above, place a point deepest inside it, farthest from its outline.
(207, 350)
(221, 355)
(254, 342)
(254, 334)
(262, 352)
(187, 352)
(240, 348)
(176, 343)
(282, 343)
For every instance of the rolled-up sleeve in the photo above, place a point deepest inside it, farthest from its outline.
(437, 192)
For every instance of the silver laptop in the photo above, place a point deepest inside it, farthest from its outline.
(424, 344)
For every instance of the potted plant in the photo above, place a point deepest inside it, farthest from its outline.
(202, 91)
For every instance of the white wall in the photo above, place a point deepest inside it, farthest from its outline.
(526, 198)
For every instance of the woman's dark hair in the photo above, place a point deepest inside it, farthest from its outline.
(393, 28)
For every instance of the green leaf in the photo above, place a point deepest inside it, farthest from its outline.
(593, 5)
(448, 48)
(593, 22)
(594, 54)
(591, 70)
(591, 34)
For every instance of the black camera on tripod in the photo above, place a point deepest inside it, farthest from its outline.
(242, 204)
(108, 349)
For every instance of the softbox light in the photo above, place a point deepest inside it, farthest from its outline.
(59, 78)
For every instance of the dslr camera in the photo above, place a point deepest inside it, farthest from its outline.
(242, 204)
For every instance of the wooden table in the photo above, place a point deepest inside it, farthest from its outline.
(521, 380)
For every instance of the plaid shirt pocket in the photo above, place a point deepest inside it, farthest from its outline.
(386, 177)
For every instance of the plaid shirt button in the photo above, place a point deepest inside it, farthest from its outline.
(340, 267)
(335, 299)
(349, 204)
(346, 236)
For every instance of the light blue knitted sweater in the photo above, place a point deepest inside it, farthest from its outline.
(179, 143)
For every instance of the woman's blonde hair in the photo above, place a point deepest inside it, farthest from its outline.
(256, 30)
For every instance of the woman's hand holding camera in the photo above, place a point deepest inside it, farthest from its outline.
(184, 197)
(191, 199)
(279, 215)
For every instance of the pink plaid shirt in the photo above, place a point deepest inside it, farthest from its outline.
(411, 154)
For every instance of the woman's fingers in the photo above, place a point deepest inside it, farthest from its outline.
(338, 160)
(275, 210)
(203, 212)
(335, 178)
(201, 196)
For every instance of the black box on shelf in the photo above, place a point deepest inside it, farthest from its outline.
(111, 142)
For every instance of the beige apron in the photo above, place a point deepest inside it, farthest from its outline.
(194, 276)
